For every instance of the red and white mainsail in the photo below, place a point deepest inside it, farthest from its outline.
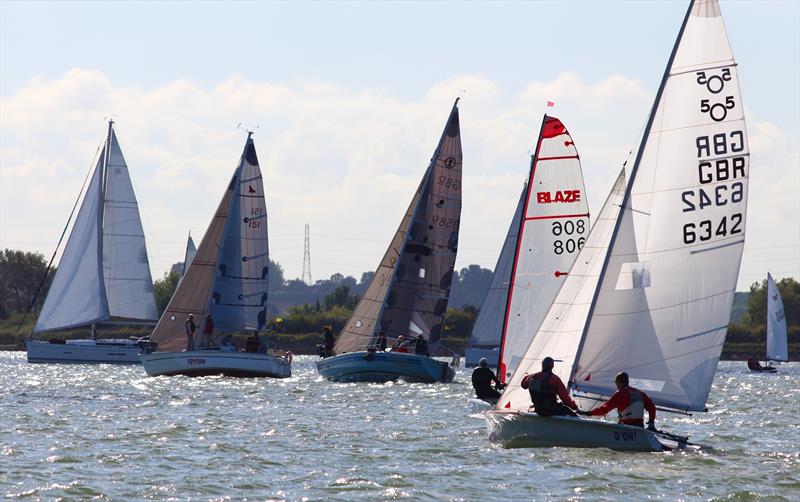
(553, 229)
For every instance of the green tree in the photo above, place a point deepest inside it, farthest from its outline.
(21, 273)
(340, 297)
(164, 289)
(276, 278)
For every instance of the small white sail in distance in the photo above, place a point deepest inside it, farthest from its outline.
(777, 349)
(188, 256)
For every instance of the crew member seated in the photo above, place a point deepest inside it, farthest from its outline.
(753, 364)
(325, 349)
(252, 343)
(400, 344)
(482, 378)
(546, 388)
(421, 347)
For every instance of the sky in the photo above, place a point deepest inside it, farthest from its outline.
(349, 100)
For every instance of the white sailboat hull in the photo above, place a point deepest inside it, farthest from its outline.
(216, 362)
(84, 351)
(512, 429)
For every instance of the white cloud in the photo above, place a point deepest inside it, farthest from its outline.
(345, 161)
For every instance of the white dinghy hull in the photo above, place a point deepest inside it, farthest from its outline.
(84, 351)
(512, 429)
(216, 362)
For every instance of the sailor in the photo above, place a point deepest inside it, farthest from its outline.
(380, 343)
(191, 327)
(482, 378)
(208, 330)
(325, 349)
(753, 364)
(545, 387)
(630, 404)
(400, 344)
(421, 347)
(252, 343)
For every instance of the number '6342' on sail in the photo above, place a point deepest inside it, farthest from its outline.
(651, 291)
(398, 322)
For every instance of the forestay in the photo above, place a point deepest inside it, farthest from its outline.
(487, 331)
(562, 326)
(553, 229)
(228, 276)
(409, 293)
(777, 349)
(665, 295)
(126, 269)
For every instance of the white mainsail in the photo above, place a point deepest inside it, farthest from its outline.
(126, 269)
(663, 299)
(487, 331)
(228, 276)
(777, 349)
(104, 274)
(554, 226)
(561, 329)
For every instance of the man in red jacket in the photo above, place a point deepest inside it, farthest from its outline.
(544, 387)
(630, 404)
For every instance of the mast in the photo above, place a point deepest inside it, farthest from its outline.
(424, 187)
(501, 368)
(627, 194)
(100, 212)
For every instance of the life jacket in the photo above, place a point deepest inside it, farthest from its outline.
(635, 409)
(543, 395)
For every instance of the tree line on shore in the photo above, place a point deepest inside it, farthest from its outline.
(298, 310)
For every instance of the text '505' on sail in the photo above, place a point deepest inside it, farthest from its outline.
(404, 305)
(223, 291)
(651, 292)
(104, 274)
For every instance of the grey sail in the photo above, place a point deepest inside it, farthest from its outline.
(191, 250)
(488, 328)
(226, 276)
(409, 293)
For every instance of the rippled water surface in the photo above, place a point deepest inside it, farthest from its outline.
(112, 432)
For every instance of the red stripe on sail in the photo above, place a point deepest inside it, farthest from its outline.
(552, 128)
(584, 215)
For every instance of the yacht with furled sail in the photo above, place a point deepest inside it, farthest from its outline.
(651, 291)
(406, 300)
(547, 232)
(103, 278)
(224, 289)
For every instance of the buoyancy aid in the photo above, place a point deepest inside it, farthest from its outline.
(543, 395)
(635, 408)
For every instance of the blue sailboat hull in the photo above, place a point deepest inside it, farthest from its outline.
(384, 367)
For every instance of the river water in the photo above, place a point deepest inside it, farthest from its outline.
(111, 432)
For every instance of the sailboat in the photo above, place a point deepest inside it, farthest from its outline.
(103, 277)
(651, 291)
(777, 347)
(407, 297)
(225, 286)
(552, 223)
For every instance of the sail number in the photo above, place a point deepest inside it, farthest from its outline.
(718, 111)
(445, 222)
(570, 233)
(707, 229)
(251, 220)
(446, 182)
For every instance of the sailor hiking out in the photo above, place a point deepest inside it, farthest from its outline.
(482, 378)
(629, 402)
